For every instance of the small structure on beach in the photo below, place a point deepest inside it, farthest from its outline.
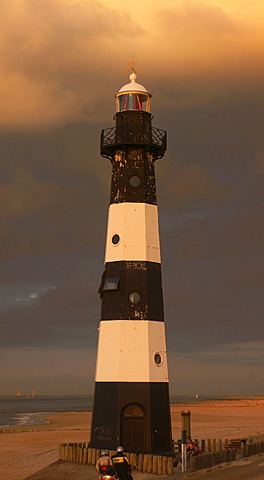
(131, 400)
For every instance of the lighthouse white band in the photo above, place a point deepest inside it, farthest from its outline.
(131, 351)
(136, 225)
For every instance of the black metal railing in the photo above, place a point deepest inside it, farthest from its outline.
(108, 136)
(151, 137)
(159, 137)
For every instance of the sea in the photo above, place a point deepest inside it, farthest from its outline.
(24, 411)
(19, 411)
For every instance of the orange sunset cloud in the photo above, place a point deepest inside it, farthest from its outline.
(58, 56)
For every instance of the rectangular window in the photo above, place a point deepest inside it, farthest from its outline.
(111, 284)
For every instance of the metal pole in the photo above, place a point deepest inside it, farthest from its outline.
(183, 450)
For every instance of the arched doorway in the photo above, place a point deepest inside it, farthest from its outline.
(133, 428)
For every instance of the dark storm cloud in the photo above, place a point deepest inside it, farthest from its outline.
(61, 62)
(51, 191)
(211, 230)
(217, 236)
(65, 317)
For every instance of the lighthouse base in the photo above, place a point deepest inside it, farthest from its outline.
(134, 415)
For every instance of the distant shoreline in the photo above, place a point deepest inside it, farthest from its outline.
(30, 421)
(191, 398)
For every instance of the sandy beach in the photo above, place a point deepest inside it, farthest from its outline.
(23, 453)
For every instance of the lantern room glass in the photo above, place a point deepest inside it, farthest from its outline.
(132, 101)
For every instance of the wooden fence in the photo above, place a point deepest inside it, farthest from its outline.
(162, 465)
(81, 453)
(210, 459)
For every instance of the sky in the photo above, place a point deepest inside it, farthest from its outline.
(61, 62)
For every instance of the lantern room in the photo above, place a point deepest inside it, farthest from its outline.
(133, 96)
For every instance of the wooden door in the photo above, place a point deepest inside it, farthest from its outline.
(133, 428)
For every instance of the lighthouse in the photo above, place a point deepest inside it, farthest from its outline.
(131, 397)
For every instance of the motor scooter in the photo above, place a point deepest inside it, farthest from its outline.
(106, 476)
(107, 473)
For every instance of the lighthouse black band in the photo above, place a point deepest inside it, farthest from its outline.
(132, 291)
(147, 402)
(133, 176)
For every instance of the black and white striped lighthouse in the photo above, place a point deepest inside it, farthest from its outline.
(131, 401)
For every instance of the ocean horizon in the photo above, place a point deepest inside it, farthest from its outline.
(26, 411)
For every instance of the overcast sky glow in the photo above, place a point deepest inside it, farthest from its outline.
(61, 63)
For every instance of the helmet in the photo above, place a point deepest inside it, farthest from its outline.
(120, 449)
(104, 453)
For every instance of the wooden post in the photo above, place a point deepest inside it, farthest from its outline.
(214, 445)
(170, 466)
(159, 465)
(89, 459)
(80, 453)
(150, 464)
(209, 445)
(67, 453)
(140, 462)
(85, 455)
(164, 465)
(74, 456)
(70, 452)
(133, 459)
(145, 463)
(220, 445)
(93, 459)
(155, 464)
(203, 445)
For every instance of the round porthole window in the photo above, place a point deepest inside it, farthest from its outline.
(115, 239)
(158, 359)
(134, 181)
(134, 297)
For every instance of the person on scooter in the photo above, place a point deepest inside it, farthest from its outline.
(121, 464)
(104, 464)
